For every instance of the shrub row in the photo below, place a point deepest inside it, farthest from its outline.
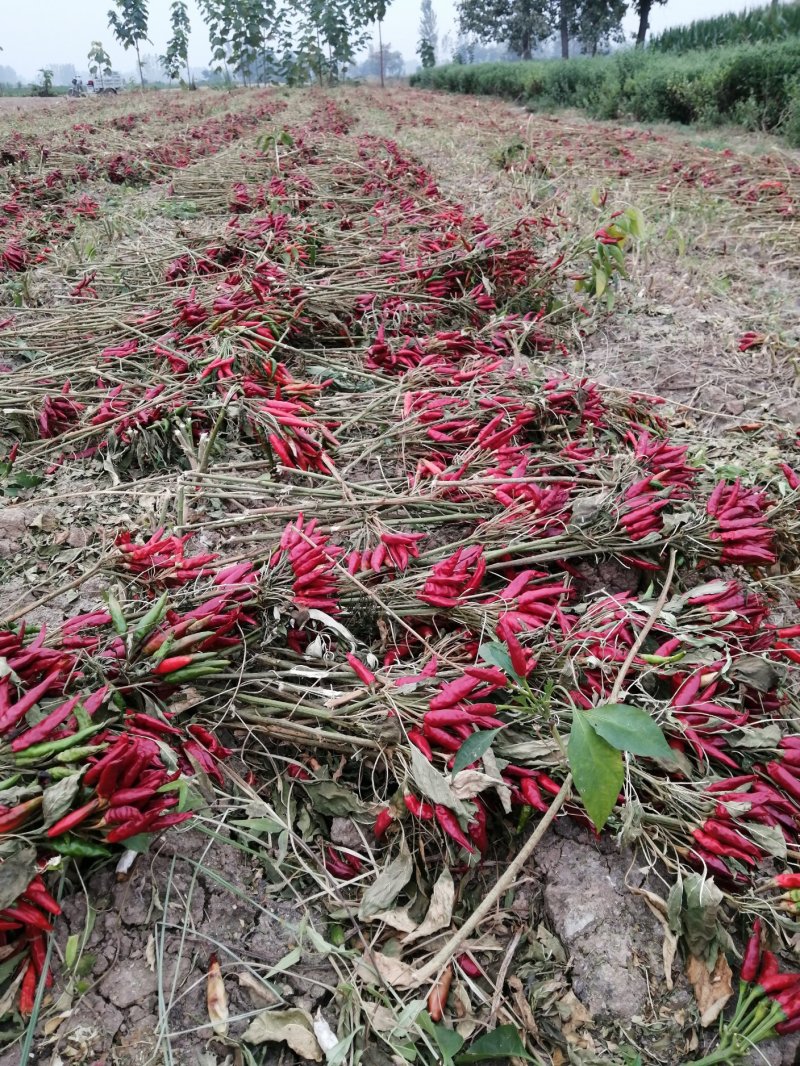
(755, 86)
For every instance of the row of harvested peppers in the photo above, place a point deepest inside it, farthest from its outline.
(89, 768)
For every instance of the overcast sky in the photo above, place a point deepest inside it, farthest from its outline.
(34, 33)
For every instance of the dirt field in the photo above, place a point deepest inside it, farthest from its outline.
(222, 317)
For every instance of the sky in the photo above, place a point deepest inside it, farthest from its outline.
(37, 33)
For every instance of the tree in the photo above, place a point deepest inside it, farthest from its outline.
(428, 34)
(99, 59)
(520, 23)
(241, 32)
(598, 22)
(375, 11)
(393, 63)
(46, 88)
(643, 9)
(130, 27)
(427, 56)
(177, 53)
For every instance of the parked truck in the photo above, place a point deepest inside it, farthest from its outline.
(104, 83)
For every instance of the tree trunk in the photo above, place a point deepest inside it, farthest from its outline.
(563, 29)
(139, 64)
(644, 21)
(526, 45)
(380, 52)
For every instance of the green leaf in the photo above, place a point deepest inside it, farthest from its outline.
(333, 800)
(597, 769)
(71, 949)
(629, 729)
(388, 885)
(57, 798)
(449, 1041)
(473, 747)
(16, 873)
(496, 654)
(700, 912)
(501, 1043)
(432, 784)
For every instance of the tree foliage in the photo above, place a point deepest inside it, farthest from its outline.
(99, 59)
(129, 26)
(177, 54)
(428, 46)
(599, 22)
(524, 25)
(393, 63)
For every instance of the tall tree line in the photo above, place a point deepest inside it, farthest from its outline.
(524, 25)
(258, 40)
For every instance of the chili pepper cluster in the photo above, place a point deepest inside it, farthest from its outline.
(116, 769)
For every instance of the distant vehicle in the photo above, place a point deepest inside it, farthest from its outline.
(104, 83)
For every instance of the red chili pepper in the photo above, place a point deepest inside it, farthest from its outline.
(418, 807)
(382, 822)
(752, 954)
(38, 895)
(170, 665)
(477, 828)
(298, 772)
(715, 847)
(788, 880)
(131, 796)
(452, 716)
(728, 784)
(18, 710)
(111, 756)
(345, 867)
(14, 817)
(28, 915)
(470, 968)
(73, 819)
(729, 836)
(781, 776)
(531, 794)
(453, 692)
(448, 821)
(442, 739)
(420, 742)
(27, 990)
(360, 670)
(42, 730)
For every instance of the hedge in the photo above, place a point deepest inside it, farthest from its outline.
(755, 86)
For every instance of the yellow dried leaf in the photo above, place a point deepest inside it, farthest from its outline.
(217, 998)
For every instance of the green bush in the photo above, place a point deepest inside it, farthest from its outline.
(790, 125)
(753, 85)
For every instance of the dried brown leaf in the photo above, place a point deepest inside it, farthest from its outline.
(440, 910)
(711, 990)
